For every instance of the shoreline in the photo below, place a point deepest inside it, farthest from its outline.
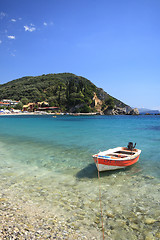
(68, 114)
(45, 113)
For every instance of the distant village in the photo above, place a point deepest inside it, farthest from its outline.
(8, 106)
(11, 106)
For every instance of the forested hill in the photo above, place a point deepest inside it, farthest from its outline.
(64, 90)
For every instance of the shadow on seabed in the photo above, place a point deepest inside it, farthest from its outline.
(90, 171)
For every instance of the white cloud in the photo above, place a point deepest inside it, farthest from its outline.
(11, 37)
(13, 55)
(2, 15)
(0, 41)
(45, 24)
(30, 28)
(13, 20)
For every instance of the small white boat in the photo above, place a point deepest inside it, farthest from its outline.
(116, 158)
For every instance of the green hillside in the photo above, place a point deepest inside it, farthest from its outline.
(65, 90)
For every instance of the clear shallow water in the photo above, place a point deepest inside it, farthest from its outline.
(49, 161)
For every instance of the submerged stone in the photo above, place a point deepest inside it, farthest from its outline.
(149, 236)
(3, 199)
(157, 235)
(150, 220)
(134, 226)
(110, 214)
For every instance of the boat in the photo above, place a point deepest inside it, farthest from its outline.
(117, 158)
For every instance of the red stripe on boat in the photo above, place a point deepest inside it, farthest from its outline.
(116, 162)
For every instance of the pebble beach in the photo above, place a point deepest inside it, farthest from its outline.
(126, 213)
(28, 222)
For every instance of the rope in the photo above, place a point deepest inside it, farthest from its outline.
(100, 198)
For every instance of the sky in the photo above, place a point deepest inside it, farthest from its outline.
(113, 43)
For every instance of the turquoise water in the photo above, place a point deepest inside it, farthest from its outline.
(70, 141)
(55, 155)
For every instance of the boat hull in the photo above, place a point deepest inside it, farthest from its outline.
(106, 162)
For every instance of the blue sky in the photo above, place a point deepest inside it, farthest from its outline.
(113, 43)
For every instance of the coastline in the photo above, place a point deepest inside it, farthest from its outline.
(69, 114)
(45, 113)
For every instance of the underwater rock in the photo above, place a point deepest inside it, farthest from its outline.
(110, 214)
(149, 236)
(80, 217)
(97, 220)
(3, 199)
(134, 226)
(150, 220)
(148, 177)
(157, 235)
(76, 225)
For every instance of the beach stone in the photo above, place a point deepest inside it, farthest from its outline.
(148, 177)
(3, 199)
(134, 220)
(97, 220)
(110, 214)
(30, 227)
(134, 226)
(80, 217)
(141, 209)
(149, 236)
(119, 210)
(121, 223)
(157, 235)
(150, 220)
(16, 229)
(76, 225)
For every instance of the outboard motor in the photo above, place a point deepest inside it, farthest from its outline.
(130, 146)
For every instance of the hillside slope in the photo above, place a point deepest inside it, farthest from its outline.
(65, 90)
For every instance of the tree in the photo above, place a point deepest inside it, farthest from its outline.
(35, 107)
(24, 100)
(19, 106)
(110, 102)
(85, 109)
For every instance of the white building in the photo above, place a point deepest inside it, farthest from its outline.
(8, 102)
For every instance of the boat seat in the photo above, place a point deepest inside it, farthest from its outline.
(117, 155)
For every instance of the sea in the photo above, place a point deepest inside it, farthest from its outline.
(47, 160)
